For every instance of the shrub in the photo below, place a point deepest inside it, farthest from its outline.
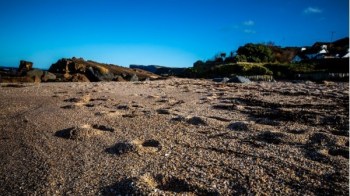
(255, 53)
(242, 69)
(279, 70)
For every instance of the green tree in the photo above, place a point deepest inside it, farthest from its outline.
(255, 53)
(241, 58)
(198, 64)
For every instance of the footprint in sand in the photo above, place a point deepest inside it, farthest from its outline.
(122, 147)
(297, 131)
(195, 120)
(137, 146)
(147, 183)
(239, 126)
(103, 128)
(271, 137)
(69, 107)
(83, 132)
(123, 107)
(109, 113)
(339, 151)
(79, 101)
(90, 105)
(163, 111)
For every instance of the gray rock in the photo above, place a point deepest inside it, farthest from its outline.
(35, 72)
(48, 76)
(95, 75)
(239, 79)
(224, 80)
(134, 78)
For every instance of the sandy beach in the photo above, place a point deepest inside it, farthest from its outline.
(175, 136)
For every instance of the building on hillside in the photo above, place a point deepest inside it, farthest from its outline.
(318, 51)
(324, 50)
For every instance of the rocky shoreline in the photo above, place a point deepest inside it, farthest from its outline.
(73, 70)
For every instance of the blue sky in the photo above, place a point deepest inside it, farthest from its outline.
(162, 32)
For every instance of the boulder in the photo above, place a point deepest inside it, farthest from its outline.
(40, 75)
(62, 66)
(36, 74)
(48, 77)
(66, 76)
(25, 66)
(134, 78)
(129, 77)
(79, 78)
(118, 79)
(239, 79)
(97, 74)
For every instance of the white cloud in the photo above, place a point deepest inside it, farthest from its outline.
(249, 23)
(312, 10)
(249, 31)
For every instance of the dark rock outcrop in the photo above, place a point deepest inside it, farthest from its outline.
(40, 75)
(24, 67)
(25, 73)
(96, 72)
(48, 77)
(35, 73)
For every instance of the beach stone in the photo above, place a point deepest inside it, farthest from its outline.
(48, 76)
(35, 73)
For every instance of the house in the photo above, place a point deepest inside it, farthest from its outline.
(308, 53)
